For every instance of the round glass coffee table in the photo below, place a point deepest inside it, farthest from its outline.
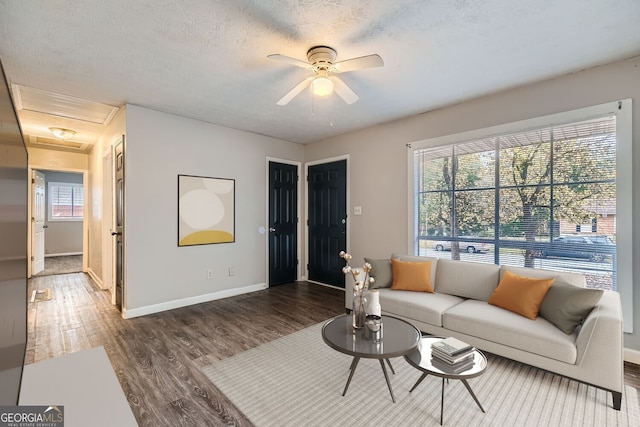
(399, 338)
(421, 359)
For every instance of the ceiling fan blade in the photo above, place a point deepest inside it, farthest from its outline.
(291, 61)
(369, 61)
(344, 91)
(295, 91)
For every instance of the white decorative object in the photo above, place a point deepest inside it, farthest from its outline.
(373, 303)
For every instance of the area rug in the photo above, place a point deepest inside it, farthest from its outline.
(298, 380)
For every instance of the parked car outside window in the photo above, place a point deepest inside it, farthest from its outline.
(470, 247)
(601, 240)
(581, 247)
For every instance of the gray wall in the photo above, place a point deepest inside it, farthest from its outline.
(61, 237)
(378, 166)
(160, 146)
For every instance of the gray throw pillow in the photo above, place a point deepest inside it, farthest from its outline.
(381, 271)
(566, 306)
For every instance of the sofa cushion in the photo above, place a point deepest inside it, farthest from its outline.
(520, 294)
(576, 279)
(467, 279)
(566, 306)
(411, 276)
(381, 272)
(412, 258)
(491, 323)
(421, 306)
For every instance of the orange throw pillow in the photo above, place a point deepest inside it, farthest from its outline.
(522, 295)
(411, 276)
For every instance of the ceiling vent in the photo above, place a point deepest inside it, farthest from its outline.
(42, 101)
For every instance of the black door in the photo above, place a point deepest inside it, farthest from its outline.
(327, 221)
(283, 223)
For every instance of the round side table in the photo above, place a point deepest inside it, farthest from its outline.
(421, 360)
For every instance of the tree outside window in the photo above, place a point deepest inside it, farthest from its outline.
(518, 191)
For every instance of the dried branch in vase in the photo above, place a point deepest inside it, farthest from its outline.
(359, 286)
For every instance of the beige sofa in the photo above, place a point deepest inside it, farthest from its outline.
(592, 354)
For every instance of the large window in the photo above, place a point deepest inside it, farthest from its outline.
(552, 192)
(65, 201)
(524, 198)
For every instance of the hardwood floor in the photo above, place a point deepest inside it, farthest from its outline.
(157, 357)
(632, 375)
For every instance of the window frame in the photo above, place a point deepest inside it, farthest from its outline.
(74, 186)
(624, 174)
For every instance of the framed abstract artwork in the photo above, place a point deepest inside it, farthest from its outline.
(206, 210)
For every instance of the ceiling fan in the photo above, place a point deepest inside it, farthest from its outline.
(321, 60)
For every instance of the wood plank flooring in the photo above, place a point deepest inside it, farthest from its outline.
(157, 357)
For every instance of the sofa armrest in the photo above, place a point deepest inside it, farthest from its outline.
(600, 341)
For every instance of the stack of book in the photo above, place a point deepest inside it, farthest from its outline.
(451, 355)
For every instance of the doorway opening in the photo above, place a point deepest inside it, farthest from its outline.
(58, 231)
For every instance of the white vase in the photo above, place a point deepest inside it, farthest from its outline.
(373, 303)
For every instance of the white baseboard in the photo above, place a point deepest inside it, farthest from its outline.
(632, 356)
(95, 278)
(326, 285)
(63, 254)
(170, 305)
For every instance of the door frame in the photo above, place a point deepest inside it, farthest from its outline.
(265, 229)
(107, 221)
(121, 140)
(346, 157)
(85, 209)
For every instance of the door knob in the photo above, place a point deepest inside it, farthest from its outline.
(115, 233)
(271, 229)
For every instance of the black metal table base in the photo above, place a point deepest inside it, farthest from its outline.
(352, 369)
(466, 384)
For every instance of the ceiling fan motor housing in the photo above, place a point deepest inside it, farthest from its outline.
(321, 60)
(321, 57)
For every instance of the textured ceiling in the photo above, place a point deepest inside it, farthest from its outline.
(207, 59)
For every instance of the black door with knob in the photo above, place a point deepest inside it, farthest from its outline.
(327, 189)
(283, 223)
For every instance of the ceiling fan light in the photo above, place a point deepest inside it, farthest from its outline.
(322, 86)
(62, 133)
